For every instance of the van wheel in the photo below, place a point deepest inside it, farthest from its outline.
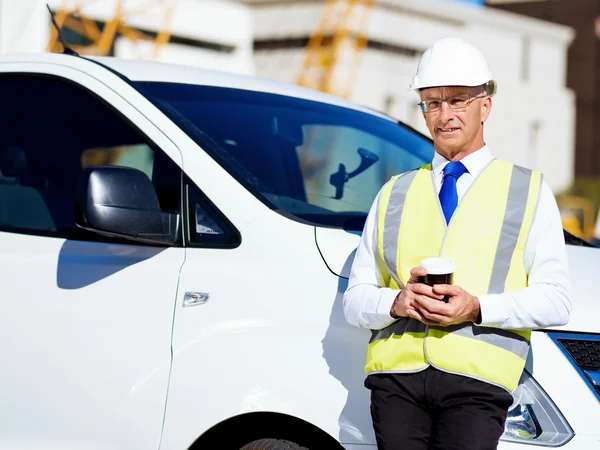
(272, 444)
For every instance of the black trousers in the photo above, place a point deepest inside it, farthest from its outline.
(435, 410)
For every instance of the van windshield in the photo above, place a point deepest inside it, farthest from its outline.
(313, 162)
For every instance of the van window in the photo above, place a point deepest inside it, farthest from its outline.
(313, 161)
(52, 129)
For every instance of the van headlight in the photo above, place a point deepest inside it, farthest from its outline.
(533, 418)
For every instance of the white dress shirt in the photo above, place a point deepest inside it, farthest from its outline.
(544, 303)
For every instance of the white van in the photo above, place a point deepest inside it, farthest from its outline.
(174, 247)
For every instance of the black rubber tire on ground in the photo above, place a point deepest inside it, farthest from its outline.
(272, 444)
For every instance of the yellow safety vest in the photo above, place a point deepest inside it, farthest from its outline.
(486, 239)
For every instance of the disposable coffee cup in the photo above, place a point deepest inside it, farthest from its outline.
(439, 271)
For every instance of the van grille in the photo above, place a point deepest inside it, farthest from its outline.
(585, 353)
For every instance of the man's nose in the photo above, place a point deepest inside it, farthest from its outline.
(446, 113)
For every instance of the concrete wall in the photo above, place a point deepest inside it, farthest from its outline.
(533, 116)
(25, 27)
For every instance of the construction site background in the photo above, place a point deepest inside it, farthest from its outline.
(363, 50)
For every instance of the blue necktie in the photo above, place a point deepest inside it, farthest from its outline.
(448, 195)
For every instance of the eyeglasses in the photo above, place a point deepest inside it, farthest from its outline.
(456, 103)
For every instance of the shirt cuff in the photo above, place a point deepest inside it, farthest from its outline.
(493, 310)
(386, 300)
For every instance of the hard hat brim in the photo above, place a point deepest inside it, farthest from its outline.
(491, 86)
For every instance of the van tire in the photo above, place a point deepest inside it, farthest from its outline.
(272, 444)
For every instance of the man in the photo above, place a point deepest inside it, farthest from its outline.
(441, 373)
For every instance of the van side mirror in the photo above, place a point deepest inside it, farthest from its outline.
(121, 202)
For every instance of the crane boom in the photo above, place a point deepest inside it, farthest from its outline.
(333, 52)
(100, 40)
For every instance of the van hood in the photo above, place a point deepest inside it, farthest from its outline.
(338, 247)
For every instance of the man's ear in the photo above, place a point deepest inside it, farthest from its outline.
(486, 108)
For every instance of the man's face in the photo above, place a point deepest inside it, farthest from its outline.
(456, 131)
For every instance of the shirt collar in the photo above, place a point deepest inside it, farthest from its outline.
(474, 162)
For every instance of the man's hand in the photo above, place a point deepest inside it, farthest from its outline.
(461, 307)
(404, 304)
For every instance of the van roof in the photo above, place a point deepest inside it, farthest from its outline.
(143, 70)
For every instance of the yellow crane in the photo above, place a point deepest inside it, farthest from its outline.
(99, 41)
(333, 52)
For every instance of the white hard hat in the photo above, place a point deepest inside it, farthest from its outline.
(451, 61)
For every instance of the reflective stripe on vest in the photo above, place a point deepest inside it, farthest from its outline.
(390, 207)
(486, 240)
